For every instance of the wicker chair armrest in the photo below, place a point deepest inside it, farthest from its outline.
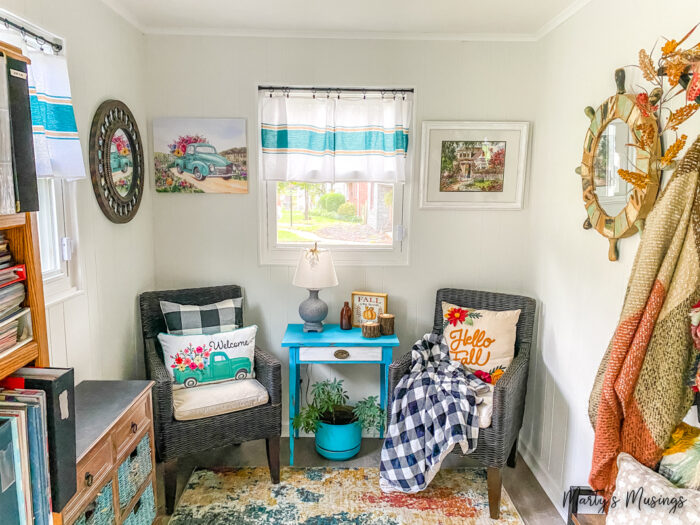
(268, 372)
(163, 389)
(509, 395)
(398, 369)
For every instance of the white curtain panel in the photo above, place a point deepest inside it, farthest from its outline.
(346, 138)
(57, 148)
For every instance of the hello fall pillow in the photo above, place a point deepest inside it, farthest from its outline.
(482, 340)
(194, 360)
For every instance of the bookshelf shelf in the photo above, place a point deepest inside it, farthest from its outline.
(12, 221)
(18, 356)
(21, 231)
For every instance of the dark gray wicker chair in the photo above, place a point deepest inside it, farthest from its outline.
(497, 444)
(175, 439)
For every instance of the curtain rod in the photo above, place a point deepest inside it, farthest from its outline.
(41, 40)
(334, 89)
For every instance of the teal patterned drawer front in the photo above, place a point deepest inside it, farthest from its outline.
(134, 471)
(100, 511)
(145, 509)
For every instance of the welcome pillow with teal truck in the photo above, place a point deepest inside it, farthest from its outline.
(197, 359)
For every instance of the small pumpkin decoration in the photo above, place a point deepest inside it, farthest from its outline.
(369, 314)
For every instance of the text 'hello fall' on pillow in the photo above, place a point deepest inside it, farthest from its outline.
(482, 340)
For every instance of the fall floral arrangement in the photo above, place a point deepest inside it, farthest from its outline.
(682, 69)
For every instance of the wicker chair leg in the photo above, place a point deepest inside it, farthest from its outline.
(272, 445)
(170, 478)
(513, 457)
(493, 478)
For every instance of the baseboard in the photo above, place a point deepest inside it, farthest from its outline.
(554, 492)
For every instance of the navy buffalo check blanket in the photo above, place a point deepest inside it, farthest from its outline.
(433, 409)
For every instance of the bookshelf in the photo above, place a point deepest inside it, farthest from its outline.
(21, 230)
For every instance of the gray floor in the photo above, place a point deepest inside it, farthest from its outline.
(527, 495)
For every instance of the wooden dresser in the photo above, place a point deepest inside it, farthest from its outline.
(115, 455)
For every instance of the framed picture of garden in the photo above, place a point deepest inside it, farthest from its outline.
(200, 155)
(473, 165)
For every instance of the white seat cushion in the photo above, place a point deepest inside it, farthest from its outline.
(218, 398)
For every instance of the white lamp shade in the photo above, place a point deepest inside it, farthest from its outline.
(315, 270)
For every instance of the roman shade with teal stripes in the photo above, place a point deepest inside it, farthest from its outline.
(349, 137)
(57, 150)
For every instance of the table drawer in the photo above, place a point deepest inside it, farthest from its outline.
(340, 353)
(129, 427)
(93, 469)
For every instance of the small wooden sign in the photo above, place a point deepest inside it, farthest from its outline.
(368, 306)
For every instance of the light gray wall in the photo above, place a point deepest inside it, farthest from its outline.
(579, 290)
(97, 332)
(213, 239)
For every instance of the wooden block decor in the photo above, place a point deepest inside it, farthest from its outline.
(386, 324)
(370, 330)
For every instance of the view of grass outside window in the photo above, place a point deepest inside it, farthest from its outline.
(356, 213)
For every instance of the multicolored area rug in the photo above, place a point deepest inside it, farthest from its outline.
(334, 496)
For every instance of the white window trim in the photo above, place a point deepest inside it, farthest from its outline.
(67, 282)
(273, 254)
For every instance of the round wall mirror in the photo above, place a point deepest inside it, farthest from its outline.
(616, 208)
(116, 161)
(121, 162)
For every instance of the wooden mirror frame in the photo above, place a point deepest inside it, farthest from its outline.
(109, 117)
(631, 219)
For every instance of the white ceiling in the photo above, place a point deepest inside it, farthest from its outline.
(400, 19)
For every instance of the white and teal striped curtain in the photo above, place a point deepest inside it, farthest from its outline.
(57, 149)
(349, 137)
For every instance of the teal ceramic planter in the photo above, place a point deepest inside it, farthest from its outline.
(338, 442)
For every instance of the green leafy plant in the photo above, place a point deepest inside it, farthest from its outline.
(347, 209)
(329, 405)
(331, 201)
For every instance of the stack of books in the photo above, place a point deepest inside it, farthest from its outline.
(5, 256)
(37, 445)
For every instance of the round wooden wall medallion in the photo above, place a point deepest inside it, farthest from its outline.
(116, 161)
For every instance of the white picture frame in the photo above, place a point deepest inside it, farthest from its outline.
(510, 137)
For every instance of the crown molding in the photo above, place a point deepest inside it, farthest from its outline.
(561, 18)
(340, 35)
(547, 28)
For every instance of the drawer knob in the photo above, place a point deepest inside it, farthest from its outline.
(88, 479)
(341, 354)
(134, 428)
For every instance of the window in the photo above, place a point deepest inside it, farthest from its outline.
(343, 186)
(58, 155)
(56, 226)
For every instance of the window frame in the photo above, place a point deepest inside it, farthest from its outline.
(273, 254)
(66, 281)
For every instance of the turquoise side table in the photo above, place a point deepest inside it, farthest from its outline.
(335, 346)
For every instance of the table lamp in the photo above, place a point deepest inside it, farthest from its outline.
(315, 270)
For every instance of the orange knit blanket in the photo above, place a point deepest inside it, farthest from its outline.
(640, 393)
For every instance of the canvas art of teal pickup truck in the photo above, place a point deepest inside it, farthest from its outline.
(119, 162)
(220, 366)
(202, 161)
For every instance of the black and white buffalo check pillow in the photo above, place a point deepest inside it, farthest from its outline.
(190, 319)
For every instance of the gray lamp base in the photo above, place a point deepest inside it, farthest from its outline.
(313, 311)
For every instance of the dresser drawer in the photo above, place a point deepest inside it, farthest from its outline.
(126, 432)
(340, 353)
(100, 511)
(133, 471)
(93, 469)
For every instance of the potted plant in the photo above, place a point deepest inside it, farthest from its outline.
(338, 426)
